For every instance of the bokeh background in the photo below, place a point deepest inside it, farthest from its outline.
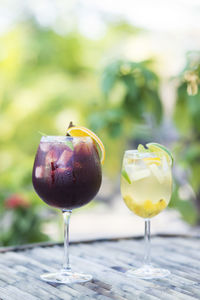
(128, 70)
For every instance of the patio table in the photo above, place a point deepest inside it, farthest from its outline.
(107, 260)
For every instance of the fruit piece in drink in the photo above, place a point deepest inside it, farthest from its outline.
(148, 209)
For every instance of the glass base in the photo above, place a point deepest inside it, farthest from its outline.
(66, 277)
(148, 272)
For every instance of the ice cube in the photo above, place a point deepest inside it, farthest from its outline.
(140, 174)
(64, 158)
(130, 169)
(51, 157)
(135, 172)
(39, 172)
(140, 164)
(59, 171)
(83, 148)
(44, 147)
(157, 173)
(77, 141)
(62, 170)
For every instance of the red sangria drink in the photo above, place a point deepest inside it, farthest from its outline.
(67, 171)
(67, 175)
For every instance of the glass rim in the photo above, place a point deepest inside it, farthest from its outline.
(136, 154)
(64, 138)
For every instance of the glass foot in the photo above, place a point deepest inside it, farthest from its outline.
(66, 277)
(148, 272)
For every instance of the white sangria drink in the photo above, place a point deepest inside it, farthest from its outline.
(146, 183)
(146, 187)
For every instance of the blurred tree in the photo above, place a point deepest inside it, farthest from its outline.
(130, 110)
(186, 117)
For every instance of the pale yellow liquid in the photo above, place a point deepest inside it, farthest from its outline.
(147, 196)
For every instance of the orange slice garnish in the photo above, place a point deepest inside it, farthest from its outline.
(83, 131)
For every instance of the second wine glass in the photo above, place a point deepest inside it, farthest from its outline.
(146, 187)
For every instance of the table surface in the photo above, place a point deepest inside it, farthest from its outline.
(107, 261)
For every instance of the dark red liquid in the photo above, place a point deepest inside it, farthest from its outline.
(67, 174)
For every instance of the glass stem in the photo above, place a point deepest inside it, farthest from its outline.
(66, 217)
(147, 238)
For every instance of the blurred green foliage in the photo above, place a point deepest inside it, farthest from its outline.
(130, 98)
(186, 117)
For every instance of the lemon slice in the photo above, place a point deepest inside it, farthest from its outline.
(160, 149)
(80, 131)
(154, 160)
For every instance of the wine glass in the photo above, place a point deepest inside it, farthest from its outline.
(66, 175)
(146, 187)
